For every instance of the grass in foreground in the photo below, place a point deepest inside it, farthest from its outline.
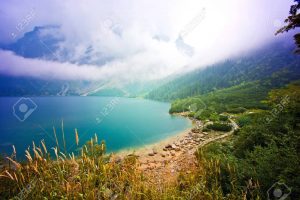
(95, 175)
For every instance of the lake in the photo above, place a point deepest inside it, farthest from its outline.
(121, 122)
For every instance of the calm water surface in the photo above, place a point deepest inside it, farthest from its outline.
(121, 122)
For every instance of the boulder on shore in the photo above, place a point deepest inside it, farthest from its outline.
(195, 130)
(177, 149)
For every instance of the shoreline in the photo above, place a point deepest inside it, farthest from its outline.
(156, 145)
(145, 149)
(164, 160)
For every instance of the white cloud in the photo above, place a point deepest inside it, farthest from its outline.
(137, 67)
(126, 33)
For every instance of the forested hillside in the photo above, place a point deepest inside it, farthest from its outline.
(273, 62)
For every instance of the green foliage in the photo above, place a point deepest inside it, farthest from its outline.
(94, 150)
(266, 148)
(191, 114)
(220, 127)
(227, 173)
(205, 129)
(223, 118)
(244, 120)
(202, 115)
(232, 100)
(214, 117)
(236, 110)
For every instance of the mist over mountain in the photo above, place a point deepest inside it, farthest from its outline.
(261, 64)
(254, 65)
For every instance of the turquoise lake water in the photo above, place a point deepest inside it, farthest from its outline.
(121, 122)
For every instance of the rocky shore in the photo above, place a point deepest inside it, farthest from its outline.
(163, 161)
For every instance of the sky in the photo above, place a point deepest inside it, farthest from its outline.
(135, 39)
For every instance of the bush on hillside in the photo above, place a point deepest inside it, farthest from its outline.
(220, 127)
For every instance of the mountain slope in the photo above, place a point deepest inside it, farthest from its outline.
(259, 65)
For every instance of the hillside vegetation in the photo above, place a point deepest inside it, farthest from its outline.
(266, 148)
(274, 62)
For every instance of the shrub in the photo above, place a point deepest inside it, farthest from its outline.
(236, 110)
(214, 117)
(244, 120)
(220, 127)
(223, 118)
(191, 114)
(202, 115)
(205, 129)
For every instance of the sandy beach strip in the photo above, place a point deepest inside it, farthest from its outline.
(146, 149)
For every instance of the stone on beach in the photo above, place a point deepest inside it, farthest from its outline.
(197, 140)
(154, 151)
(150, 154)
(201, 135)
(195, 130)
(177, 149)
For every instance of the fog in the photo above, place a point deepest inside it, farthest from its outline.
(144, 40)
